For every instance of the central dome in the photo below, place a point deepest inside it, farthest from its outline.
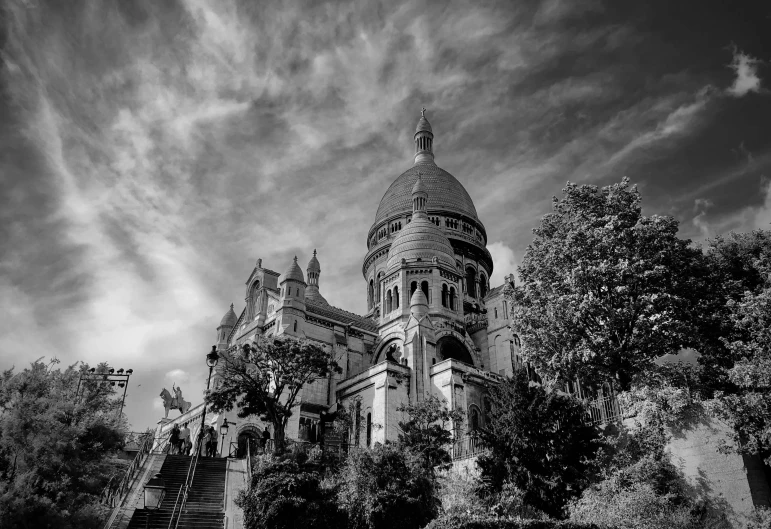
(445, 193)
(421, 239)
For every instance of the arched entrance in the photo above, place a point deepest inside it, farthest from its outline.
(251, 438)
(451, 347)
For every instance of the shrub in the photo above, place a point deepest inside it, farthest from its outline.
(287, 493)
(386, 487)
(491, 522)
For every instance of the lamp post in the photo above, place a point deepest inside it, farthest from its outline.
(119, 377)
(224, 431)
(155, 490)
(211, 360)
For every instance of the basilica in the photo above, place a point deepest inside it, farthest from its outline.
(434, 324)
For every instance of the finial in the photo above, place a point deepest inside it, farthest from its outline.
(314, 252)
(295, 258)
(231, 306)
(423, 112)
(259, 263)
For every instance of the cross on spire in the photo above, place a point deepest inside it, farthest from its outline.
(423, 111)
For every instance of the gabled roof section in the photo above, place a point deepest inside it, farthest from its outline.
(340, 315)
(237, 325)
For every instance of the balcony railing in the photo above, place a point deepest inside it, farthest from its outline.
(466, 447)
(604, 410)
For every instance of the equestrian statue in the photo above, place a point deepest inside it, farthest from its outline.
(174, 403)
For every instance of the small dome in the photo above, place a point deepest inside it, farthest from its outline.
(293, 272)
(423, 124)
(313, 264)
(229, 319)
(420, 239)
(418, 303)
(312, 294)
(419, 186)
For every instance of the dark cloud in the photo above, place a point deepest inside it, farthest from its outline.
(151, 152)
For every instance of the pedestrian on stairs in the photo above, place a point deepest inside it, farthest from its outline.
(184, 440)
(212, 442)
(174, 439)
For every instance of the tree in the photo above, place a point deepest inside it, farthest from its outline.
(265, 378)
(54, 447)
(539, 442)
(288, 493)
(749, 407)
(426, 431)
(386, 487)
(605, 290)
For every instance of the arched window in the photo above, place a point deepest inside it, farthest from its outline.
(482, 285)
(369, 429)
(413, 288)
(389, 301)
(424, 288)
(473, 418)
(471, 288)
(445, 295)
(379, 277)
(295, 325)
(505, 310)
(371, 293)
(396, 296)
(452, 299)
(496, 313)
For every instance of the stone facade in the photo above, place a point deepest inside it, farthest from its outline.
(427, 239)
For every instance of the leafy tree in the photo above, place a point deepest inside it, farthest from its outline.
(605, 290)
(264, 378)
(54, 447)
(288, 493)
(540, 443)
(427, 430)
(386, 487)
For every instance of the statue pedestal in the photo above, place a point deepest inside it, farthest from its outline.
(164, 422)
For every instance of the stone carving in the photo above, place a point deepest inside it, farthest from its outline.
(174, 403)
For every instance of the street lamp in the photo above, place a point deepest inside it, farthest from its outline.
(211, 360)
(110, 376)
(155, 490)
(224, 431)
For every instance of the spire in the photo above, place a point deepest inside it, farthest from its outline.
(419, 196)
(424, 140)
(314, 270)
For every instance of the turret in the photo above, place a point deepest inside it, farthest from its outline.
(424, 140)
(314, 271)
(226, 325)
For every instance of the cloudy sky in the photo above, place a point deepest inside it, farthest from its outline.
(151, 152)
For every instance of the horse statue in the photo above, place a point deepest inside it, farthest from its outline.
(174, 403)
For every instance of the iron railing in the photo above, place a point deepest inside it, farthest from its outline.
(184, 490)
(604, 410)
(466, 447)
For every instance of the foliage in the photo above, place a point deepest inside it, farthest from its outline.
(737, 348)
(605, 290)
(427, 430)
(54, 447)
(265, 378)
(386, 487)
(760, 519)
(540, 443)
(458, 493)
(471, 521)
(287, 493)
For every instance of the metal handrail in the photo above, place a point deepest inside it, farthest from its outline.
(185, 489)
(115, 497)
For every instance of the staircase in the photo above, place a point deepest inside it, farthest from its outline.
(205, 507)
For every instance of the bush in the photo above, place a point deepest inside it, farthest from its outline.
(386, 487)
(287, 493)
(490, 522)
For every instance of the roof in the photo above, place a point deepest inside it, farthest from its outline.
(313, 264)
(419, 186)
(229, 319)
(312, 293)
(445, 193)
(340, 315)
(422, 239)
(293, 273)
(423, 125)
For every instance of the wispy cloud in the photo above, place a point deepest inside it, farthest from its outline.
(153, 151)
